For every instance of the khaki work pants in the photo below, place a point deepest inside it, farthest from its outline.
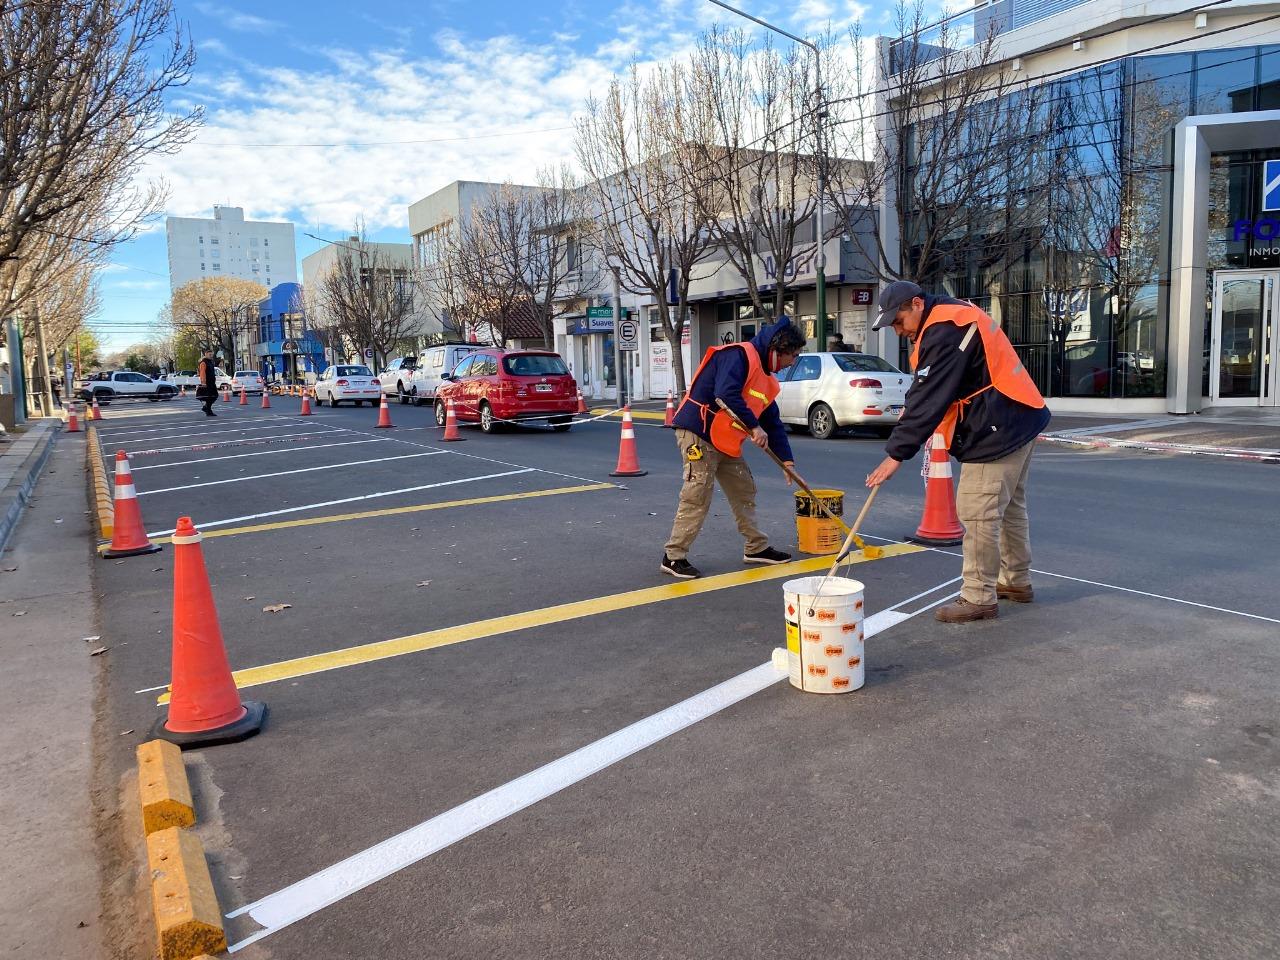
(991, 502)
(700, 477)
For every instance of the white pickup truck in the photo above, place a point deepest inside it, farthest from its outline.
(125, 384)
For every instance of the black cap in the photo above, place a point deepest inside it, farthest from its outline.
(892, 298)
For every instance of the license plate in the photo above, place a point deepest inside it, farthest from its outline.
(543, 388)
(896, 408)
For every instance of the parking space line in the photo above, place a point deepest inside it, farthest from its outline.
(196, 434)
(195, 426)
(206, 524)
(326, 887)
(256, 453)
(575, 610)
(395, 511)
(246, 442)
(287, 473)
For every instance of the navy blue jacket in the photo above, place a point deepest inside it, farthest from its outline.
(724, 377)
(993, 426)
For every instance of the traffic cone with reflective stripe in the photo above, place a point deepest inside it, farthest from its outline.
(244, 397)
(306, 405)
(128, 535)
(182, 391)
(939, 527)
(73, 423)
(226, 393)
(450, 423)
(384, 413)
(582, 403)
(95, 412)
(671, 410)
(628, 462)
(204, 705)
(266, 399)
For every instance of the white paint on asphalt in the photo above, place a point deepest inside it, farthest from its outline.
(262, 453)
(287, 473)
(311, 894)
(323, 431)
(208, 524)
(196, 434)
(1117, 427)
(195, 427)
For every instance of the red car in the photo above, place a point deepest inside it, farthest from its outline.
(492, 386)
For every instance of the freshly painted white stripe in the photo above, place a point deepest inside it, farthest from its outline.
(311, 894)
(193, 435)
(287, 473)
(262, 453)
(195, 427)
(206, 524)
(1116, 427)
(473, 456)
(231, 443)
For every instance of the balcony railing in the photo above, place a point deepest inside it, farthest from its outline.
(970, 26)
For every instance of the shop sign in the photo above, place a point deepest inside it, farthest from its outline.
(1270, 185)
(583, 326)
(860, 298)
(289, 346)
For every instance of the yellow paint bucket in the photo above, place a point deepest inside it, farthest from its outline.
(816, 533)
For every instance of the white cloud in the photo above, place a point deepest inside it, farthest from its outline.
(138, 284)
(238, 19)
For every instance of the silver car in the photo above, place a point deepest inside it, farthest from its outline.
(827, 391)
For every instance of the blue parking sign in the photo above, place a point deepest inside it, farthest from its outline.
(1271, 185)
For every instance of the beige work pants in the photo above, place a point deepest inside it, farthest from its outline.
(700, 477)
(991, 502)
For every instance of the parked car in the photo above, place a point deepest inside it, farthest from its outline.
(121, 384)
(492, 385)
(826, 391)
(184, 378)
(222, 378)
(341, 382)
(250, 380)
(397, 379)
(432, 365)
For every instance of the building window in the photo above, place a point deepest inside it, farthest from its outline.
(266, 242)
(213, 240)
(217, 266)
(202, 238)
(253, 241)
(202, 266)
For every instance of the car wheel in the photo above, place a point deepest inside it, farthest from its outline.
(487, 423)
(404, 397)
(154, 399)
(822, 422)
(333, 402)
(413, 395)
(441, 414)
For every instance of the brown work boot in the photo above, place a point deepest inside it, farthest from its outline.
(1016, 594)
(962, 611)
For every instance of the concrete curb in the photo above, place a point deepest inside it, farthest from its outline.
(183, 902)
(30, 451)
(104, 509)
(635, 414)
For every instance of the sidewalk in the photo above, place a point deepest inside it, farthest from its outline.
(49, 878)
(1240, 433)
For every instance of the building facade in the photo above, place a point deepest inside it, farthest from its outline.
(286, 347)
(1155, 281)
(228, 245)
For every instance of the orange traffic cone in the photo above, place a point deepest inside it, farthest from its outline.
(96, 411)
(128, 536)
(582, 403)
(266, 399)
(244, 398)
(204, 705)
(671, 411)
(182, 392)
(939, 527)
(226, 393)
(384, 413)
(628, 462)
(450, 423)
(306, 405)
(73, 423)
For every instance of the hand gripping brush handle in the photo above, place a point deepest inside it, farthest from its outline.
(846, 547)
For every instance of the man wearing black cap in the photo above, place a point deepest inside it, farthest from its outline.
(970, 387)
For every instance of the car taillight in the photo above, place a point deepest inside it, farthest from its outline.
(341, 383)
(866, 382)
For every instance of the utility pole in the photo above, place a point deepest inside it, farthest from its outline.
(617, 326)
(820, 327)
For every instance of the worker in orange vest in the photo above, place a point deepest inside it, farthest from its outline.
(971, 387)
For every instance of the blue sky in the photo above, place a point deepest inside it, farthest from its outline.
(317, 111)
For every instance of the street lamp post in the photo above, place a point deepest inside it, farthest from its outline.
(820, 330)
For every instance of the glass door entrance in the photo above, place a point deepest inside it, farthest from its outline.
(1245, 347)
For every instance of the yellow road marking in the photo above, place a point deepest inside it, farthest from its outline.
(635, 414)
(431, 639)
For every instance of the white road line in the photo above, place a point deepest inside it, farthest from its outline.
(311, 894)
(500, 463)
(262, 453)
(1115, 427)
(197, 434)
(286, 473)
(325, 431)
(207, 524)
(192, 426)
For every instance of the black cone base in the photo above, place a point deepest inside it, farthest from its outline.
(255, 715)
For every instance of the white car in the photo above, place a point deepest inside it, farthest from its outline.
(432, 365)
(341, 382)
(184, 378)
(222, 378)
(397, 379)
(250, 380)
(826, 391)
(122, 384)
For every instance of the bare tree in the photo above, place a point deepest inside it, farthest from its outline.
(650, 227)
(367, 298)
(218, 309)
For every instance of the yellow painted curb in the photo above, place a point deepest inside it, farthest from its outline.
(104, 507)
(635, 414)
(163, 789)
(188, 921)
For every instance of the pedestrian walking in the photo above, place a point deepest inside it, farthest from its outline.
(836, 344)
(970, 386)
(710, 443)
(207, 391)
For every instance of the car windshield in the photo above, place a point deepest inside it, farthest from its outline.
(864, 363)
(353, 372)
(534, 365)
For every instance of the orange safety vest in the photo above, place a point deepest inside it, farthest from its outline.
(1008, 375)
(758, 391)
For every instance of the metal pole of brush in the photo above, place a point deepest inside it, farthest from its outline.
(847, 546)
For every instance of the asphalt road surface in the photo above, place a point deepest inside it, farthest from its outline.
(1092, 775)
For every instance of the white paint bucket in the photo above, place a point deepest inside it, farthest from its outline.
(825, 652)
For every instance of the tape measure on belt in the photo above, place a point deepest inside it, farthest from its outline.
(694, 453)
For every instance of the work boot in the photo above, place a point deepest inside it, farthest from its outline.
(1016, 594)
(767, 555)
(962, 611)
(680, 569)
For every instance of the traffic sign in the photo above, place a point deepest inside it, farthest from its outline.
(628, 335)
(368, 353)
